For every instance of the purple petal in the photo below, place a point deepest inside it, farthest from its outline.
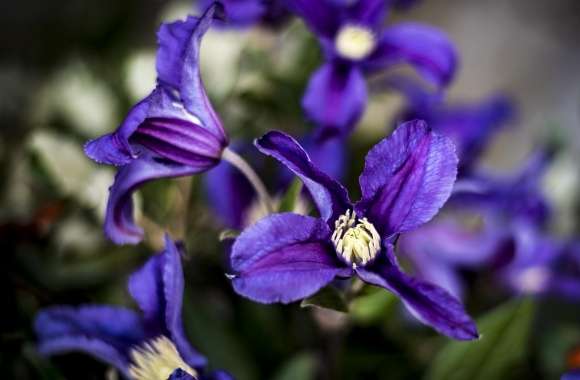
(102, 331)
(407, 178)
(180, 141)
(240, 13)
(180, 374)
(429, 303)
(335, 97)
(329, 154)
(320, 16)
(114, 148)
(283, 258)
(191, 87)
(427, 49)
(330, 197)
(368, 12)
(94, 347)
(119, 224)
(158, 290)
(178, 66)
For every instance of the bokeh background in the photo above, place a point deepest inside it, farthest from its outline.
(69, 70)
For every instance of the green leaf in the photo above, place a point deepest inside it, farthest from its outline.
(289, 200)
(301, 366)
(503, 343)
(327, 298)
(372, 306)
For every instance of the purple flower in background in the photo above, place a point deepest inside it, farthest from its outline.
(152, 345)
(356, 44)
(244, 13)
(407, 178)
(172, 132)
(470, 125)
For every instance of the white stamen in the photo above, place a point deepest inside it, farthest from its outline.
(355, 42)
(356, 244)
(156, 360)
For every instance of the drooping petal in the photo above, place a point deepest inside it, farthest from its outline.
(158, 290)
(102, 331)
(427, 49)
(320, 16)
(119, 223)
(407, 178)
(330, 197)
(284, 258)
(335, 97)
(191, 87)
(114, 148)
(429, 303)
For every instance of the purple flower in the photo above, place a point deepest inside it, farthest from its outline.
(149, 345)
(572, 375)
(356, 44)
(470, 125)
(243, 13)
(172, 132)
(407, 178)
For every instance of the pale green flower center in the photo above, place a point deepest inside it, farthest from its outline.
(355, 240)
(355, 42)
(156, 360)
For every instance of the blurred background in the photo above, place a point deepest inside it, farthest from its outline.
(70, 70)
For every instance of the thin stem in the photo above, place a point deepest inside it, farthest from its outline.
(241, 164)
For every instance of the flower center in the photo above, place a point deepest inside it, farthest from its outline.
(156, 360)
(356, 240)
(355, 42)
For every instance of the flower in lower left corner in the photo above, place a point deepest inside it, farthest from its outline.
(146, 346)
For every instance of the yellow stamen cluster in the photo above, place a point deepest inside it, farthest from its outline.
(355, 240)
(156, 360)
(355, 42)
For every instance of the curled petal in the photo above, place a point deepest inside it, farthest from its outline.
(336, 97)
(329, 195)
(407, 178)
(283, 258)
(114, 148)
(425, 48)
(429, 303)
(119, 224)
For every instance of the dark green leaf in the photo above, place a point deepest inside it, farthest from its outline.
(503, 343)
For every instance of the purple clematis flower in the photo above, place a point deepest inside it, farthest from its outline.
(172, 132)
(356, 44)
(470, 125)
(152, 345)
(407, 178)
(244, 13)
